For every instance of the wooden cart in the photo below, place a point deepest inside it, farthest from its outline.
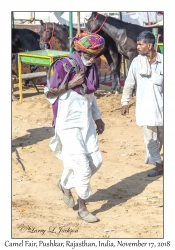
(40, 58)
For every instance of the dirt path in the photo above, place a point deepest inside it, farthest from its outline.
(127, 202)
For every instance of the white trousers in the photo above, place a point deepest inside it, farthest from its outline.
(153, 137)
(78, 169)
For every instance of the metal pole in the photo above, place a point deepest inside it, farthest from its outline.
(70, 32)
(78, 22)
(13, 23)
(31, 16)
(148, 18)
(156, 18)
(124, 62)
(155, 32)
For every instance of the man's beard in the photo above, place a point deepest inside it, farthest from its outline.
(86, 62)
(142, 53)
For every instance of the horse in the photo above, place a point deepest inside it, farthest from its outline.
(61, 32)
(124, 34)
(25, 40)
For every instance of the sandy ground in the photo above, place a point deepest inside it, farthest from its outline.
(127, 202)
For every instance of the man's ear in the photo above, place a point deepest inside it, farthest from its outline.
(150, 46)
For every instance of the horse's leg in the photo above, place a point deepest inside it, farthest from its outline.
(115, 68)
(14, 76)
(114, 76)
(33, 68)
(131, 57)
(128, 63)
(113, 72)
(118, 73)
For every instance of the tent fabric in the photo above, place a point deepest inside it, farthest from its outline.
(156, 24)
(140, 18)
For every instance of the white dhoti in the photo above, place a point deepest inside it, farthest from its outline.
(153, 137)
(76, 140)
(78, 169)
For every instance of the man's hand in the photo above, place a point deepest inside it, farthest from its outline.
(100, 126)
(76, 80)
(52, 94)
(124, 110)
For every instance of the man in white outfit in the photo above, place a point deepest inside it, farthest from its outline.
(146, 71)
(75, 111)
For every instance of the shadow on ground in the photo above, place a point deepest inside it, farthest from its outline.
(33, 137)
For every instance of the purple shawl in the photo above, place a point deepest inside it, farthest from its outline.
(92, 81)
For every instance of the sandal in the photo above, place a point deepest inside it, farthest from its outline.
(155, 173)
(88, 218)
(68, 199)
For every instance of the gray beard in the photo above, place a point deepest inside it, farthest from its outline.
(85, 62)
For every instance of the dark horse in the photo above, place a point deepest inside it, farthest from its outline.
(61, 32)
(124, 34)
(25, 40)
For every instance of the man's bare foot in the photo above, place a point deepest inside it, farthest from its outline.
(66, 191)
(84, 214)
(82, 207)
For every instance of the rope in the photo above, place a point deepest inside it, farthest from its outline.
(93, 23)
(44, 36)
(100, 26)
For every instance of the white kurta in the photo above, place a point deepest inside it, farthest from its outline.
(149, 93)
(74, 124)
(75, 140)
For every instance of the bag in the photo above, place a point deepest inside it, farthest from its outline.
(75, 68)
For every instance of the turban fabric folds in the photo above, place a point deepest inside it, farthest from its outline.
(89, 43)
